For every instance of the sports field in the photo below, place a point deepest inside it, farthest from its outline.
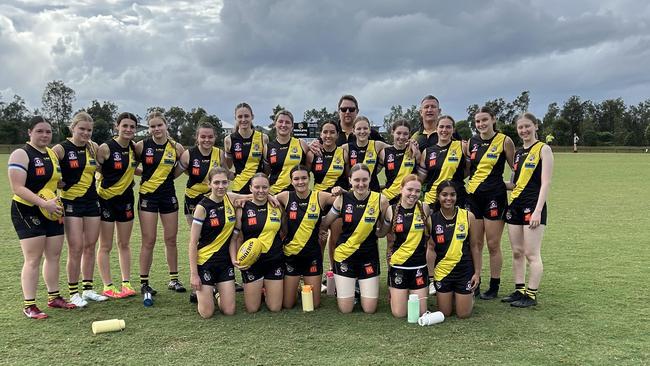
(593, 307)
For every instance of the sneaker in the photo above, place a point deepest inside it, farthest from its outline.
(33, 312)
(238, 287)
(524, 302)
(111, 291)
(323, 288)
(78, 301)
(432, 288)
(146, 288)
(490, 294)
(127, 290)
(59, 302)
(92, 295)
(176, 285)
(193, 298)
(515, 296)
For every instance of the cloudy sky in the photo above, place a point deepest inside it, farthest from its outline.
(304, 54)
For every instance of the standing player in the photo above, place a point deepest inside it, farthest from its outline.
(284, 153)
(117, 165)
(364, 151)
(244, 149)
(77, 155)
(158, 155)
(488, 151)
(526, 214)
(32, 168)
(398, 160)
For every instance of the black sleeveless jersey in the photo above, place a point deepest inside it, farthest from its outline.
(525, 159)
(281, 158)
(40, 171)
(329, 170)
(367, 155)
(360, 219)
(410, 247)
(458, 259)
(303, 222)
(158, 163)
(78, 171)
(487, 159)
(217, 229)
(253, 220)
(114, 168)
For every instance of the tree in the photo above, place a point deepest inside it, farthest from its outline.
(13, 121)
(463, 129)
(176, 118)
(412, 115)
(562, 132)
(573, 112)
(103, 115)
(319, 116)
(271, 128)
(57, 106)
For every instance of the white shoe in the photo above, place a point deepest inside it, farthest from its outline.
(94, 296)
(323, 288)
(78, 301)
(432, 288)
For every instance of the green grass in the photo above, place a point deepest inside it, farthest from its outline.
(593, 300)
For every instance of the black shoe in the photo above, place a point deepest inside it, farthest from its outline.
(176, 285)
(490, 294)
(515, 296)
(146, 288)
(524, 302)
(238, 287)
(193, 298)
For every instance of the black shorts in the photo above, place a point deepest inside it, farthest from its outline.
(190, 204)
(81, 207)
(266, 268)
(408, 279)
(158, 202)
(489, 206)
(460, 284)
(360, 269)
(304, 265)
(519, 214)
(212, 273)
(29, 222)
(118, 208)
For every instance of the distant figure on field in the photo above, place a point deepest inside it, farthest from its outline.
(550, 138)
(575, 142)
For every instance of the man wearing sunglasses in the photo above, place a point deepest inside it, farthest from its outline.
(348, 109)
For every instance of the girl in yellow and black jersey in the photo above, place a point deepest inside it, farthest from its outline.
(117, 165)
(197, 162)
(356, 255)
(77, 155)
(284, 153)
(302, 245)
(259, 219)
(457, 258)
(488, 151)
(526, 214)
(158, 155)
(398, 160)
(364, 151)
(443, 161)
(244, 149)
(406, 253)
(34, 169)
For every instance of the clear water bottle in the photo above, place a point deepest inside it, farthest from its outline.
(413, 308)
(331, 286)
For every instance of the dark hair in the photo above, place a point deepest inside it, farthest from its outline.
(126, 115)
(488, 110)
(299, 168)
(430, 97)
(260, 175)
(361, 118)
(444, 184)
(243, 105)
(218, 170)
(446, 116)
(400, 122)
(36, 120)
(359, 166)
(282, 112)
(336, 125)
(350, 98)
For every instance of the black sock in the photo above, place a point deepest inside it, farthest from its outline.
(520, 287)
(144, 279)
(494, 283)
(532, 293)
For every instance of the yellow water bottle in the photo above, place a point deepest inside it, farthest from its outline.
(307, 298)
(104, 326)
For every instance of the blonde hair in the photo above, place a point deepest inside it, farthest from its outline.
(80, 117)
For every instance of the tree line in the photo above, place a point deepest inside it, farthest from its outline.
(608, 123)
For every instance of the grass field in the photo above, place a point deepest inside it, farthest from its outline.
(593, 307)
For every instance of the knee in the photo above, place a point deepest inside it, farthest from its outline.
(517, 253)
(148, 244)
(494, 246)
(206, 313)
(123, 245)
(170, 241)
(398, 313)
(32, 262)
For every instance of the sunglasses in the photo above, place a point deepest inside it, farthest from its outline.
(348, 109)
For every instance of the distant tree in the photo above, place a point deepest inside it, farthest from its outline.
(102, 131)
(319, 116)
(573, 112)
(57, 106)
(646, 134)
(412, 115)
(562, 132)
(13, 121)
(104, 115)
(638, 122)
(463, 129)
(271, 127)
(176, 119)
